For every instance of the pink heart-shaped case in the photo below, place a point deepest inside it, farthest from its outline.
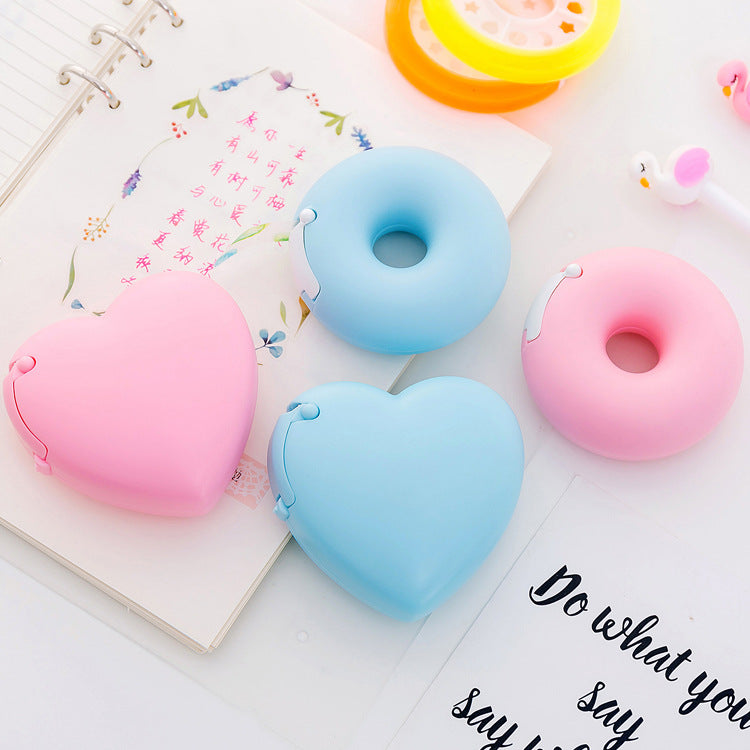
(147, 407)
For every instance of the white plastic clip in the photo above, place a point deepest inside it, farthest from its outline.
(533, 325)
(303, 274)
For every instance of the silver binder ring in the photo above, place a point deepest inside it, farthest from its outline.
(170, 11)
(95, 37)
(167, 8)
(63, 78)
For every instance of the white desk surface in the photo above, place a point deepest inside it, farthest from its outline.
(304, 659)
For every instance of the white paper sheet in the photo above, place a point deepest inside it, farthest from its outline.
(607, 633)
(38, 37)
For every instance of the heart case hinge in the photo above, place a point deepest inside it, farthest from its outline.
(280, 485)
(19, 368)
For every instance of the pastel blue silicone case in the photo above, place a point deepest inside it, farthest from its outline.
(400, 310)
(397, 498)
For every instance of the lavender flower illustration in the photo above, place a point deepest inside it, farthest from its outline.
(131, 183)
(362, 140)
(231, 83)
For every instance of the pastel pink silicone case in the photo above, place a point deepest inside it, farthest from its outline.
(622, 414)
(147, 407)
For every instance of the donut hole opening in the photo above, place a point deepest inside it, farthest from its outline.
(399, 249)
(632, 352)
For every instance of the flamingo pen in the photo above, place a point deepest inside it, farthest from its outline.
(685, 180)
(731, 74)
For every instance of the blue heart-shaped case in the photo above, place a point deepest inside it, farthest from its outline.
(398, 498)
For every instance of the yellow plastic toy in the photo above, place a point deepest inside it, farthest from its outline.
(524, 41)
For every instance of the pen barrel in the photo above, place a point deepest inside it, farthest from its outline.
(720, 200)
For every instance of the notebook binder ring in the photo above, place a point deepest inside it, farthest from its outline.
(167, 8)
(63, 78)
(95, 37)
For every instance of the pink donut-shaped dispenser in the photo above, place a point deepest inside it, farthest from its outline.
(627, 415)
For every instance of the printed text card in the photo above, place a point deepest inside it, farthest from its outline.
(606, 634)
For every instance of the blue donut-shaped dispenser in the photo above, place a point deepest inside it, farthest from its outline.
(401, 310)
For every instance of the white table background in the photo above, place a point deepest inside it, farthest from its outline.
(305, 661)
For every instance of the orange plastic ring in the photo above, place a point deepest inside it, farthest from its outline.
(439, 83)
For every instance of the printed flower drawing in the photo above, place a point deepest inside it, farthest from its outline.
(231, 83)
(200, 253)
(248, 233)
(334, 119)
(131, 183)
(71, 274)
(76, 304)
(362, 140)
(97, 227)
(270, 342)
(284, 81)
(304, 312)
(191, 105)
(225, 257)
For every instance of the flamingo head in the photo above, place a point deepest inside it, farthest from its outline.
(729, 74)
(645, 168)
(680, 181)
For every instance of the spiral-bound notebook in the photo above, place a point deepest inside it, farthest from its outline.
(37, 38)
(200, 167)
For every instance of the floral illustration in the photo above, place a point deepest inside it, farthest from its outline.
(334, 119)
(251, 232)
(284, 81)
(191, 105)
(97, 226)
(270, 342)
(257, 229)
(362, 140)
(305, 310)
(71, 274)
(225, 257)
(178, 133)
(76, 304)
(131, 183)
(231, 83)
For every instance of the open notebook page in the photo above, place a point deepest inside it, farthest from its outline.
(37, 37)
(201, 167)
